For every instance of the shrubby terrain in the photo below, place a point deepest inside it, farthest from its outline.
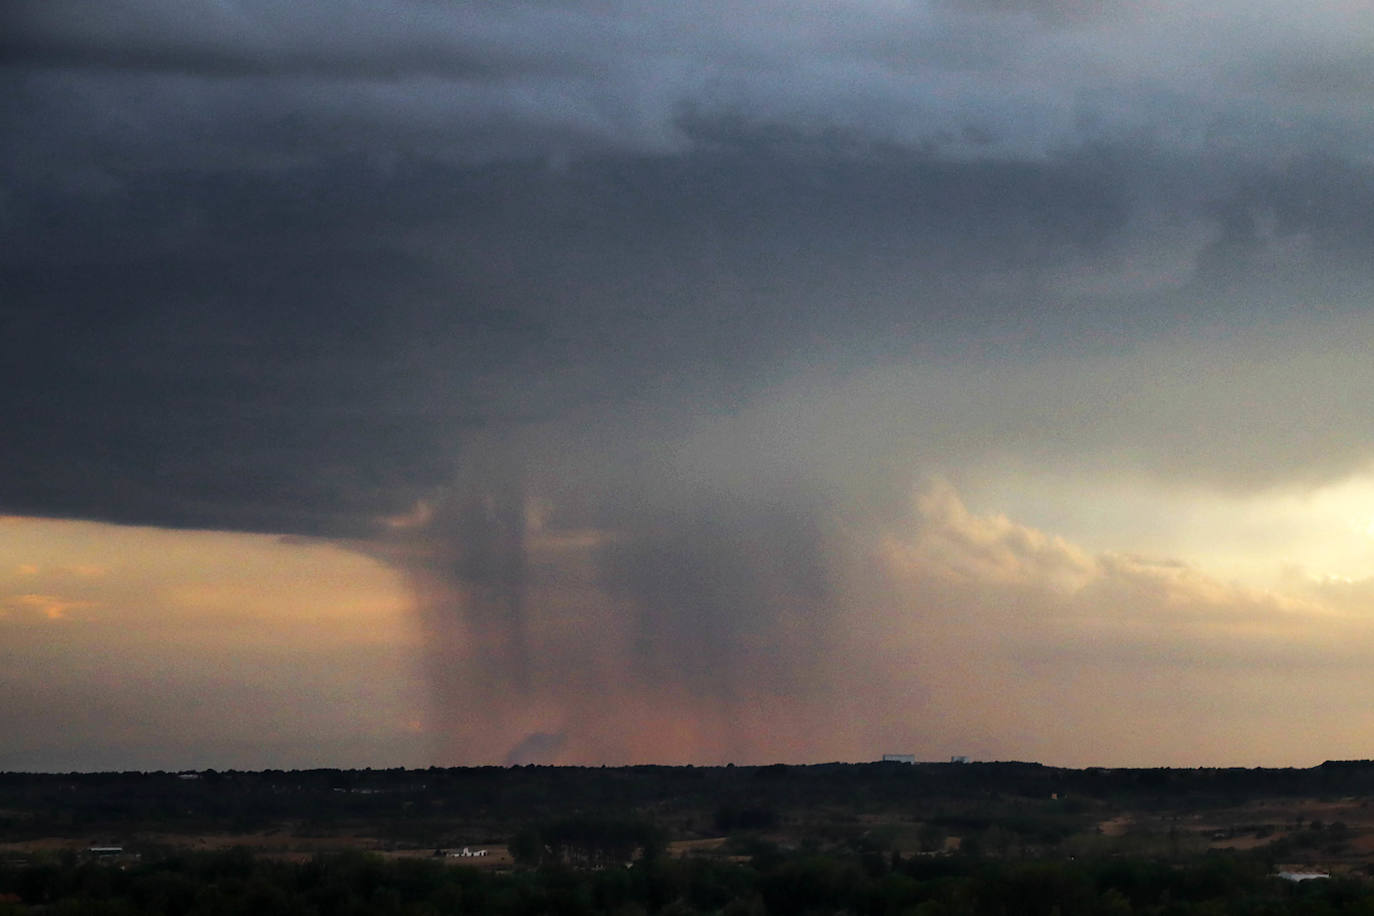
(862, 839)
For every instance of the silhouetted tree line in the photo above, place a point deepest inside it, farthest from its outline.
(418, 804)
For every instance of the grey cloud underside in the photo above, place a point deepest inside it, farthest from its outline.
(307, 348)
(185, 324)
(635, 320)
(282, 40)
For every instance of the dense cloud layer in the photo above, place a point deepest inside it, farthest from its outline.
(621, 333)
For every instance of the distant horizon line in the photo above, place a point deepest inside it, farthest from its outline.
(1351, 763)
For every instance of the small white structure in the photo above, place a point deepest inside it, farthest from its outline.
(1302, 875)
(899, 758)
(466, 853)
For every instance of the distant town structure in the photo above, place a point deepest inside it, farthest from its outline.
(464, 853)
(1302, 875)
(958, 758)
(899, 758)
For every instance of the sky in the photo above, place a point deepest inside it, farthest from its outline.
(417, 382)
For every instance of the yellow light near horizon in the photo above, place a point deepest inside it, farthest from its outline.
(202, 648)
(135, 575)
(1265, 539)
(1319, 533)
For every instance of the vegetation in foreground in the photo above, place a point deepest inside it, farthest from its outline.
(771, 881)
(994, 839)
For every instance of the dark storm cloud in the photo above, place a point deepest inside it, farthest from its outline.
(175, 390)
(308, 348)
(189, 322)
(609, 329)
(282, 39)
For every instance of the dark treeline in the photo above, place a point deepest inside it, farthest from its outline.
(744, 796)
(771, 881)
(918, 840)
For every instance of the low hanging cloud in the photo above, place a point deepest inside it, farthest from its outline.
(50, 607)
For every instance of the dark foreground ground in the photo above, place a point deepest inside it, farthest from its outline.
(994, 838)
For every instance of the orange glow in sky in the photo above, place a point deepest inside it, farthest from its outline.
(154, 648)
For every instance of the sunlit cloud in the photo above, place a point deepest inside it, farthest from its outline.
(51, 607)
(1255, 537)
(417, 517)
(1087, 644)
